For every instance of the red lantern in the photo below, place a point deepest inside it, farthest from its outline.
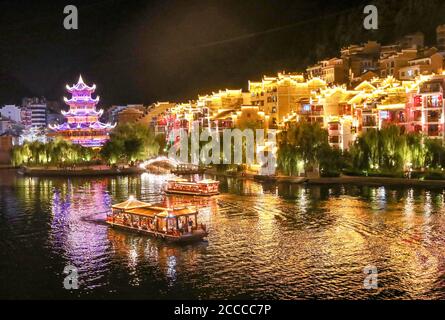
(417, 101)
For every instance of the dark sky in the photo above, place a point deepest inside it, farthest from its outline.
(144, 51)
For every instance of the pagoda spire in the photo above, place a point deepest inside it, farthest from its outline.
(82, 124)
(80, 86)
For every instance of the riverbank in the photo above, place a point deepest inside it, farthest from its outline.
(79, 171)
(231, 174)
(357, 180)
(6, 167)
(256, 177)
(378, 181)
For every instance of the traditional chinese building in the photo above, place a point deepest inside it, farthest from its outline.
(82, 124)
(425, 107)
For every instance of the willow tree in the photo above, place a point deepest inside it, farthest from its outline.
(21, 155)
(389, 149)
(130, 142)
(418, 150)
(288, 161)
(391, 142)
(113, 151)
(372, 148)
(304, 145)
(435, 153)
(57, 152)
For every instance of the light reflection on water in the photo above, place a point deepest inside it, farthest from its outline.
(266, 241)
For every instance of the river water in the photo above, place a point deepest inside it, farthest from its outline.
(265, 241)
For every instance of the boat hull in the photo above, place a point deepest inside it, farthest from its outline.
(197, 235)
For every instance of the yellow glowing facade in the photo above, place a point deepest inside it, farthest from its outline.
(282, 95)
(224, 100)
(275, 102)
(156, 110)
(250, 117)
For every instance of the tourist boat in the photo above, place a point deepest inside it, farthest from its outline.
(201, 188)
(179, 224)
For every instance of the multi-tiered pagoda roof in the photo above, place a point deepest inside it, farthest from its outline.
(82, 124)
(80, 86)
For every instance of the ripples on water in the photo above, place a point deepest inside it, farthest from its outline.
(265, 241)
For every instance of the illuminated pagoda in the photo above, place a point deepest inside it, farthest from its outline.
(83, 126)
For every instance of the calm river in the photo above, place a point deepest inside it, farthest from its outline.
(265, 242)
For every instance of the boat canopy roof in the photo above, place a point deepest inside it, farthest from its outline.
(179, 212)
(162, 212)
(178, 180)
(184, 181)
(147, 211)
(131, 203)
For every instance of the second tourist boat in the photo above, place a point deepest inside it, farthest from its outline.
(201, 188)
(171, 224)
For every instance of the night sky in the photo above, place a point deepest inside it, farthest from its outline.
(145, 51)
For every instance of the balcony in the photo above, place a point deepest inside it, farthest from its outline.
(369, 123)
(433, 130)
(417, 117)
(433, 119)
(433, 116)
(311, 113)
(432, 106)
(433, 133)
(316, 120)
(431, 88)
(334, 139)
(434, 102)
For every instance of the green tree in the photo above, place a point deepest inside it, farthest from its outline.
(435, 153)
(388, 149)
(56, 152)
(303, 146)
(130, 142)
